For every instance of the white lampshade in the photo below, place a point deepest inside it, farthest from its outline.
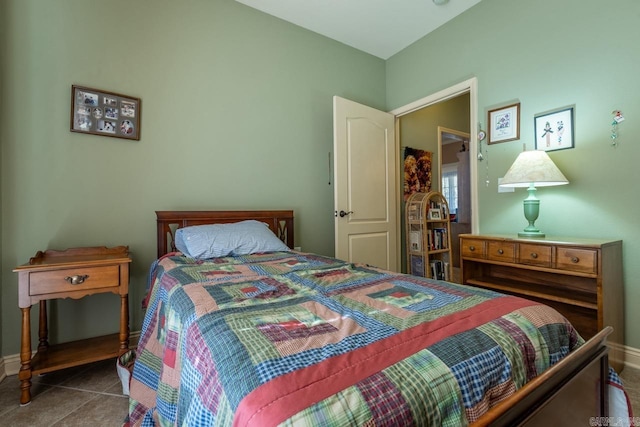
(533, 167)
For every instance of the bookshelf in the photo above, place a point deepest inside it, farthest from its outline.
(428, 236)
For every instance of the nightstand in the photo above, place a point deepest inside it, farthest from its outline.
(72, 273)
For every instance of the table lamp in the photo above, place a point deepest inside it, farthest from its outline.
(532, 169)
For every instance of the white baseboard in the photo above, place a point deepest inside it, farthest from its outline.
(631, 357)
(10, 365)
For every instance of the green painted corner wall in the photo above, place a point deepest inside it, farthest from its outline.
(236, 114)
(548, 54)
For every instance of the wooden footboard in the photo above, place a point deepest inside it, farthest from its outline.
(568, 393)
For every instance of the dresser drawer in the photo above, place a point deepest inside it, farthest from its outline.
(54, 281)
(501, 251)
(539, 255)
(472, 248)
(582, 260)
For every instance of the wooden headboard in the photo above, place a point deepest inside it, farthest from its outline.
(280, 222)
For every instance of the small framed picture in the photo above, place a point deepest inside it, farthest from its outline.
(435, 214)
(99, 112)
(554, 129)
(504, 124)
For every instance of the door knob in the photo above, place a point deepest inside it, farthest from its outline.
(343, 213)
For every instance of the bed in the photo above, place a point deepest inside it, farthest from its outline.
(289, 338)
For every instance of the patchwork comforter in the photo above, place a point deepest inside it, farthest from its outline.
(287, 338)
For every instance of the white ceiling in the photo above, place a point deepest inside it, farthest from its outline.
(379, 27)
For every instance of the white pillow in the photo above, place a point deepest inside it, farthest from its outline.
(219, 240)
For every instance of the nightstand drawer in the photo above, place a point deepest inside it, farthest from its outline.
(55, 281)
(501, 251)
(582, 260)
(472, 248)
(539, 255)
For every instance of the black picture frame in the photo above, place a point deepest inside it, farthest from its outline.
(554, 130)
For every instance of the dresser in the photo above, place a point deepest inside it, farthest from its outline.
(581, 278)
(72, 273)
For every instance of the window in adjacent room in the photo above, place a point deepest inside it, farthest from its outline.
(450, 185)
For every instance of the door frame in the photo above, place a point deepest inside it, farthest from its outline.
(470, 86)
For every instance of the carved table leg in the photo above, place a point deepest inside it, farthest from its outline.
(124, 324)
(43, 330)
(25, 357)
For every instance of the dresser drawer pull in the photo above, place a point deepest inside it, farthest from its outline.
(575, 260)
(500, 251)
(472, 248)
(534, 255)
(76, 280)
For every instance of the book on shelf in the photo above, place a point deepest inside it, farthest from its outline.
(440, 239)
(437, 239)
(437, 269)
(417, 265)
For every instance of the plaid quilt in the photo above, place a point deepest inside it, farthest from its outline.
(287, 338)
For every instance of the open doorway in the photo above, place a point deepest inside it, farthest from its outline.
(417, 127)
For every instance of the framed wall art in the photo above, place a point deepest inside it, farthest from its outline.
(99, 112)
(554, 129)
(504, 124)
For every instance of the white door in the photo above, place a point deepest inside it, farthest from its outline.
(366, 188)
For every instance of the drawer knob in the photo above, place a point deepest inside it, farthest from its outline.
(534, 255)
(575, 260)
(472, 248)
(77, 280)
(500, 251)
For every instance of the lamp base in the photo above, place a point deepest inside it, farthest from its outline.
(531, 234)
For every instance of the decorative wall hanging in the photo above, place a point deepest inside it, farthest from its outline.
(481, 136)
(504, 124)
(99, 112)
(554, 129)
(617, 119)
(417, 171)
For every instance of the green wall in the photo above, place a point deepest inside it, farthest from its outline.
(236, 114)
(419, 129)
(548, 54)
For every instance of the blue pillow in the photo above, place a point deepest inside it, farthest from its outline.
(219, 240)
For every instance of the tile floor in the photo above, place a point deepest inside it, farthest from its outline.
(91, 395)
(631, 380)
